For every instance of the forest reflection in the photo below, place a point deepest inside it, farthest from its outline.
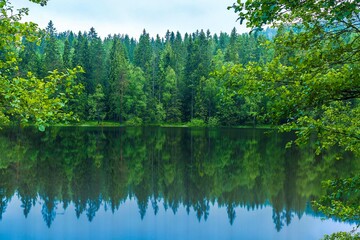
(163, 167)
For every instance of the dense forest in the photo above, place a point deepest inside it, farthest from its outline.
(150, 80)
(303, 77)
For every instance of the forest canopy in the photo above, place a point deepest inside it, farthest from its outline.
(136, 81)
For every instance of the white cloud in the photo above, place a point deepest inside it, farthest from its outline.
(127, 17)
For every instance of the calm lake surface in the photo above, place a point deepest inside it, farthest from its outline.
(162, 183)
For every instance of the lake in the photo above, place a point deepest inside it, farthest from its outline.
(163, 183)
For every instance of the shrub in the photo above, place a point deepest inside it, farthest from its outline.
(213, 122)
(195, 122)
(135, 121)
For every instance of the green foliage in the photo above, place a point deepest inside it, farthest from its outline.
(158, 80)
(96, 103)
(67, 58)
(135, 121)
(143, 53)
(134, 96)
(312, 83)
(342, 236)
(52, 58)
(195, 122)
(40, 101)
(117, 78)
(310, 13)
(213, 122)
(342, 199)
(30, 99)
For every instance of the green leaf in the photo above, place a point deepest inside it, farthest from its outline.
(41, 128)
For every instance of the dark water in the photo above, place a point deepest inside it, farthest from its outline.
(162, 183)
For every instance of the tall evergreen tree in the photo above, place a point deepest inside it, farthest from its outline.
(232, 50)
(67, 56)
(52, 57)
(80, 105)
(78, 51)
(223, 41)
(143, 58)
(118, 79)
(197, 67)
(156, 69)
(129, 47)
(86, 60)
(179, 50)
(143, 53)
(168, 85)
(96, 61)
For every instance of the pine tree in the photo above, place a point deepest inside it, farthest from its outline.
(143, 58)
(86, 60)
(197, 67)
(143, 53)
(168, 85)
(188, 90)
(118, 79)
(223, 41)
(232, 50)
(158, 46)
(67, 58)
(78, 49)
(80, 105)
(52, 57)
(96, 61)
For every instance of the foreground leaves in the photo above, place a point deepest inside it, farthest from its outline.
(341, 201)
(313, 81)
(40, 101)
(30, 99)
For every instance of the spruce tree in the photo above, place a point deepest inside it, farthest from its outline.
(52, 57)
(232, 50)
(67, 58)
(118, 79)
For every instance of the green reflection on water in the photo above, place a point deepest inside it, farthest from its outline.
(179, 167)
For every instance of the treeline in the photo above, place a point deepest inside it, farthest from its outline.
(150, 80)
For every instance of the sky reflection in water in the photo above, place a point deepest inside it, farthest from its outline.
(126, 223)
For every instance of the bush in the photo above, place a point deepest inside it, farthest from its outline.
(195, 122)
(213, 122)
(135, 121)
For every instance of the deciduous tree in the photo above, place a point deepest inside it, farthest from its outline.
(29, 99)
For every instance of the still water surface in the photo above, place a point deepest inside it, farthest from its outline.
(162, 183)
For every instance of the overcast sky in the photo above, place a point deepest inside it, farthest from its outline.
(131, 17)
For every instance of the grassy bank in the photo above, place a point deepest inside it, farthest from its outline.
(164, 125)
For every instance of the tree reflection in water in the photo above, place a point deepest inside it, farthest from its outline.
(194, 168)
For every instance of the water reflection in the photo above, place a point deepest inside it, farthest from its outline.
(162, 168)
